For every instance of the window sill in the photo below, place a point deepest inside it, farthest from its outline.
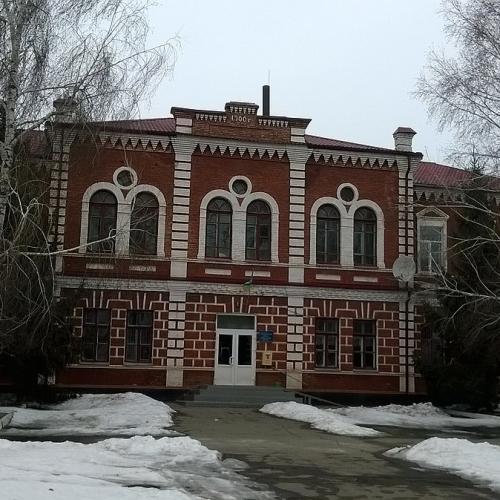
(137, 363)
(326, 370)
(365, 370)
(93, 363)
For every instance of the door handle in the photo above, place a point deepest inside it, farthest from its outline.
(230, 360)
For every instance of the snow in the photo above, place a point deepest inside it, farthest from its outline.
(348, 421)
(478, 462)
(169, 468)
(323, 420)
(418, 415)
(124, 414)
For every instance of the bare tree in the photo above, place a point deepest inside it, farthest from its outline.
(463, 91)
(90, 59)
(92, 53)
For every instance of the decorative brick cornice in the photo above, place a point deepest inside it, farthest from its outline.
(125, 141)
(229, 289)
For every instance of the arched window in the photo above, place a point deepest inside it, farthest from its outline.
(102, 222)
(328, 235)
(365, 231)
(218, 231)
(258, 232)
(144, 224)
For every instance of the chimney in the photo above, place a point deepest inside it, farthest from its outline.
(403, 138)
(266, 100)
(66, 109)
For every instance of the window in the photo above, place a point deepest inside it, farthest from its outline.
(139, 336)
(258, 232)
(327, 343)
(144, 225)
(218, 231)
(95, 338)
(328, 235)
(364, 339)
(102, 222)
(365, 227)
(431, 241)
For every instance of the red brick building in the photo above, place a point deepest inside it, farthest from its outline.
(243, 251)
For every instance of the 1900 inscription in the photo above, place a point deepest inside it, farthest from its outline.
(241, 119)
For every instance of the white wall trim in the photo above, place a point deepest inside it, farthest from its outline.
(426, 218)
(275, 217)
(124, 209)
(239, 218)
(380, 229)
(149, 285)
(162, 212)
(120, 215)
(233, 201)
(345, 240)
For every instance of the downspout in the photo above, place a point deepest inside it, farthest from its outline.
(408, 296)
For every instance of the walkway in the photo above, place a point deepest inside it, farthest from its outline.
(301, 463)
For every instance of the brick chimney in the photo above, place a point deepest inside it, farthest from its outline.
(67, 109)
(403, 138)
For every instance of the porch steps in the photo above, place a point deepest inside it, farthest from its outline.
(240, 396)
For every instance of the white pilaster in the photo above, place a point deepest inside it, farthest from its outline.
(175, 342)
(294, 344)
(180, 209)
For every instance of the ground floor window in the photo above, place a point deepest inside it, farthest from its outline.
(327, 343)
(95, 336)
(139, 336)
(364, 344)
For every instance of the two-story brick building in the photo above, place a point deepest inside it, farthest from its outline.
(243, 251)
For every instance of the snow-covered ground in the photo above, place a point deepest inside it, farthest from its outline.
(172, 467)
(169, 468)
(319, 419)
(125, 414)
(478, 462)
(418, 415)
(349, 420)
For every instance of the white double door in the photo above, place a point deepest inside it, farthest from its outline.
(235, 357)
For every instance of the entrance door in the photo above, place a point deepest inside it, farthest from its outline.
(235, 355)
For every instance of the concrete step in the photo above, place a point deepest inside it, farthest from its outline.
(239, 396)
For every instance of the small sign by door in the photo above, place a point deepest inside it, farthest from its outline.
(265, 336)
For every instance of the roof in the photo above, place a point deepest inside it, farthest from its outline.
(166, 126)
(156, 126)
(443, 176)
(322, 142)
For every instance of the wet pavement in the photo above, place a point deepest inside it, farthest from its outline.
(298, 462)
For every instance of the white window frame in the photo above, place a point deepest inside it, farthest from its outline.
(439, 220)
(123, 216)
(238, 222)
(347, 211)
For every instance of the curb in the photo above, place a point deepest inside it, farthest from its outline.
(5, 420)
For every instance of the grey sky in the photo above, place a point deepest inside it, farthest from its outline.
(349, 65)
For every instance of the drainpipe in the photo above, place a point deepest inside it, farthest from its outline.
(408, 295)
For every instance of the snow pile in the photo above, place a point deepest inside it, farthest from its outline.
(323, 420)
(418, 415)
(123, 414)
(478, 462)
(178, 468)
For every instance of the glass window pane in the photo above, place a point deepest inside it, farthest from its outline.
(244, 350)
(237, 322)
(431, 233)
(225, 349)
(331, 360)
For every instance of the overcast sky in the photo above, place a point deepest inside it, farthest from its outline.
(349, 65)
